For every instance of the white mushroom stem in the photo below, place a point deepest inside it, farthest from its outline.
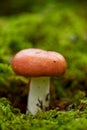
(39, 94)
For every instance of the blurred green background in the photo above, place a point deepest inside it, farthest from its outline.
(51, 25)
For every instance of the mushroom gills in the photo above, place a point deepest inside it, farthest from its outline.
(39, 94)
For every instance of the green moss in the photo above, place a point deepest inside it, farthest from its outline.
(11, 118)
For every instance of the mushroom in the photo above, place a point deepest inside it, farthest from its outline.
(39, 65)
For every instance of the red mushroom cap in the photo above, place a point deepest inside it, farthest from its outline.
(37, 62)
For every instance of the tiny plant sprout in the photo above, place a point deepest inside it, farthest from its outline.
(39, 65)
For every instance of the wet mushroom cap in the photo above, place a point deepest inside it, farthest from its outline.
(37, 62)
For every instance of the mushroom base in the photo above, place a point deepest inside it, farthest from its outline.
(39, 94)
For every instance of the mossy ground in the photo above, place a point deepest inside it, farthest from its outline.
(11, 118)
(59, 28)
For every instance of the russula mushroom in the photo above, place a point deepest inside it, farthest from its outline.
(40, 65)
